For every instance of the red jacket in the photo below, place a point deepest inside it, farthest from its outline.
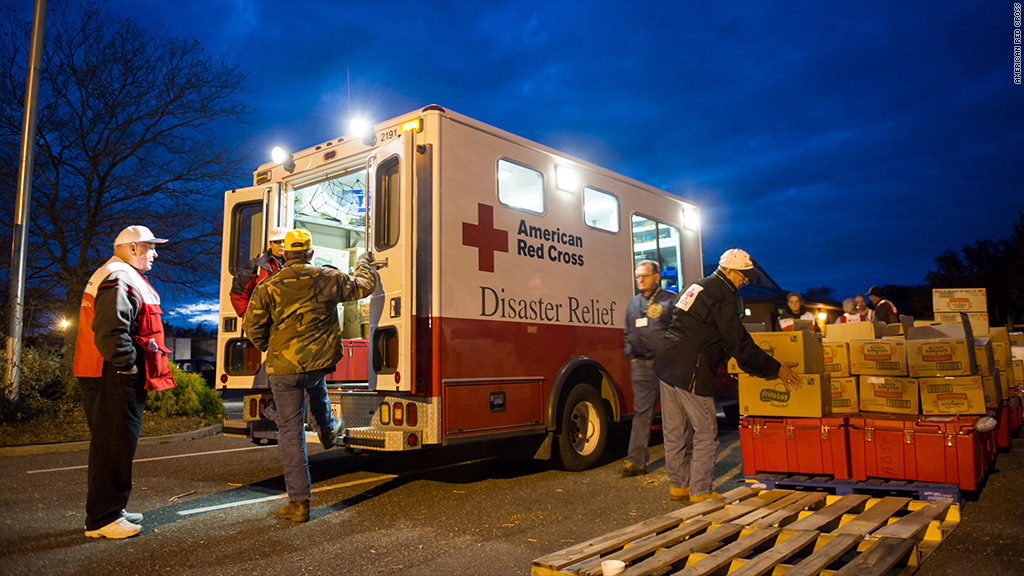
(255, 271)
(120, 316)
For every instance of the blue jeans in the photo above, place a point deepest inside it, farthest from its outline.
(290, 401)
(690, 427)
(645, 398)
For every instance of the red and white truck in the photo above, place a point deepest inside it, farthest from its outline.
(505, 271)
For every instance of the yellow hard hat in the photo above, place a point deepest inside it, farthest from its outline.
(298, 239)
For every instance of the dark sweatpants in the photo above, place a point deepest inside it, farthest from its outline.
(113, 407)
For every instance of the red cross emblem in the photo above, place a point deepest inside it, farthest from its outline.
(485, 237)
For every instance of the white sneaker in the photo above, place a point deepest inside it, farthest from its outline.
(133, 517)
(120, 528)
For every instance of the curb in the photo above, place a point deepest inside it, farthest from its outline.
(84, 445)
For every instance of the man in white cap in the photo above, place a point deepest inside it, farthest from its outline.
(257, 270)
(705, 331)
(119, 356)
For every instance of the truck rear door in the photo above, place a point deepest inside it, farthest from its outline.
(392, 314)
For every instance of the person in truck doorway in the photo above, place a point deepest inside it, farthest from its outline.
(647, 318)
(119, 356)
(705, 331)
(293, 317)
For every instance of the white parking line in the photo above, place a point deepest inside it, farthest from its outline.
(84, 466)
(377, 478)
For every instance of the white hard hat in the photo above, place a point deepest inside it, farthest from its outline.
(277, 234)
(137, 234)
(736, 259)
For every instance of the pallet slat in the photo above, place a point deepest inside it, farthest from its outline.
(882, 556)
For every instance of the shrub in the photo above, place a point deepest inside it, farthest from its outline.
(46, 386)
(191, 397)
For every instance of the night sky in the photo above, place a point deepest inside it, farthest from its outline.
(840, 143)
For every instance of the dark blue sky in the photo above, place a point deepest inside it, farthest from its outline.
(840, 143)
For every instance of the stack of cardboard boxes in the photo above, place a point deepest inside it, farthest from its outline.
(897, 401)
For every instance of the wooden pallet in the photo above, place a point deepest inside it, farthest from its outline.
(927, 491)
(749, 532)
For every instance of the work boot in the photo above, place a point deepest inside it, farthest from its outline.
(116, 530)
(703, 497)
(296, 510)
(631, 469)
(678, 494)
(329, 439)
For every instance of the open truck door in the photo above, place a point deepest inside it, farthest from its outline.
(246, 225)
(389, 233)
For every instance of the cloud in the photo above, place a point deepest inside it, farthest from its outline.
(194, 313)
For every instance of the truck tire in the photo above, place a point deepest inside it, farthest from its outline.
(584, 429)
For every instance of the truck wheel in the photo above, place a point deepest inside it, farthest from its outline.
(584, 429)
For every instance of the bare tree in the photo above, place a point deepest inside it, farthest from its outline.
(127, 134)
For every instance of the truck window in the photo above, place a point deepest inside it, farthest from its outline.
(386, 204)
(247, 222)
(653, 240)
(601, 210)
(520, 187)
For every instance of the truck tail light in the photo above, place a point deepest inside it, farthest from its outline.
(411, 414)
(385, 414)
(413, 440)
(398, 416)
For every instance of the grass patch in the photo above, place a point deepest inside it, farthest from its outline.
(71, 427)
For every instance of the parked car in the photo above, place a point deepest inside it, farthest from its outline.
(202, 366)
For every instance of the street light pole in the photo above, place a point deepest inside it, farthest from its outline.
(12, 375)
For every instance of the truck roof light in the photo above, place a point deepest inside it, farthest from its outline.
(360, 127)
(413, 125)
(567, 179)
(284, 158)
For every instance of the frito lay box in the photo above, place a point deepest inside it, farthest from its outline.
(760, 397)
(889, 395)
(993, 390)
(803, 348)
(837, 359)
(983, 356)
(952, 395)
(844, 395)
(878, 357)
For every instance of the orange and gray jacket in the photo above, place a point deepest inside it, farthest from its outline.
(293, 315)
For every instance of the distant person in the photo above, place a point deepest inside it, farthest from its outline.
(885, 311)
(794, 311)
(647, 318)
(119, 356)
(293, 316)
(257, 270)
(850, 313)
(705, 331)
(861, 306)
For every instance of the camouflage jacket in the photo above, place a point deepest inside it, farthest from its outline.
(293, 315)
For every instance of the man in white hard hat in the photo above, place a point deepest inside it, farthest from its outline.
(119, 356)
(257, 270)
(706, 330)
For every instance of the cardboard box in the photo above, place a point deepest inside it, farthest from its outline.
(993, 390)
(952, 395)
(940, 357)
(1006, 382)
(760, 397)
(803, 348)
(999, 334)
(889, 395)
(845, 399)
(878, 357)
(1018, 372)
(959, 300)
(1002, 355)
(983, 356)
(1016, 352)
(979, 321)
(1016, 338)
(837, 359)
(852, 331)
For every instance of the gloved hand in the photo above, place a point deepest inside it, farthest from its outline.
(365, 259)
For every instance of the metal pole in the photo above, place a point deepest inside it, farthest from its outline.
(12, 375)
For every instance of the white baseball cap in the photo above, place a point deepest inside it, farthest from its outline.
(277, 234)
(137, 234)
(736, 259)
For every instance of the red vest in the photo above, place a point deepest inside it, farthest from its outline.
(852, 317)
(89, 361)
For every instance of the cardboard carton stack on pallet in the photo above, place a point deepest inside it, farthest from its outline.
(903, 401)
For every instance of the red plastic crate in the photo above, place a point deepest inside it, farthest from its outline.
(917, 448)
(795, 446)
(353, 365)
(1003, 430)
(1015, 414)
